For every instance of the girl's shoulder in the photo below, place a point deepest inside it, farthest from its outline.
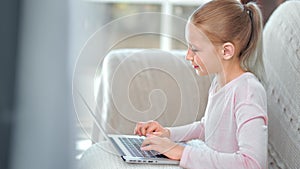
(249, 82)
(243, 83)
(249, 88)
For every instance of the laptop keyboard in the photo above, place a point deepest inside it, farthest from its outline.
(133, 145)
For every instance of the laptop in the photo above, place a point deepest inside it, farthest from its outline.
(128, 146)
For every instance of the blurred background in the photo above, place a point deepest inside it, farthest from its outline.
(40, 42)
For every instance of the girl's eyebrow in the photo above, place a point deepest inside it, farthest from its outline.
(190, 45)
(193, 48)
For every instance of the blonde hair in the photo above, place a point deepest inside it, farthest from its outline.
(241, 24)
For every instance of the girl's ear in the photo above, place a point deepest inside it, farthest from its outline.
(228, 51)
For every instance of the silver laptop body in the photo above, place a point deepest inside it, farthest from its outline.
(129, 149)
(131, 153)
(128, 146)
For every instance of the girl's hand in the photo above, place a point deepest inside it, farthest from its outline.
(162, 145)
(151, 127)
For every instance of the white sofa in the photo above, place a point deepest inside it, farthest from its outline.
(150, 84)
(282, 60)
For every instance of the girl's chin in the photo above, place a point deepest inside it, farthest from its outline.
(201, 73)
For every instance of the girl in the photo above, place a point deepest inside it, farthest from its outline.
(224, 39)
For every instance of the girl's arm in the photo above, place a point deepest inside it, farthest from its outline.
(252, 154)
(188, 132)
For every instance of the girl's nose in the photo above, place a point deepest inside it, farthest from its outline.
(189, 55)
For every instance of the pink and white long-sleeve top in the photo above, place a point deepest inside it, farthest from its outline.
(234, 128)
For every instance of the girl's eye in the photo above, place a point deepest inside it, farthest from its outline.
(195, 50)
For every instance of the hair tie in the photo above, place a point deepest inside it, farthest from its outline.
(249, 12)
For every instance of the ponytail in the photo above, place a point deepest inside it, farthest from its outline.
(251, 56)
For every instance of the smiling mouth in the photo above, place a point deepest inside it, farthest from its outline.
(198, 67)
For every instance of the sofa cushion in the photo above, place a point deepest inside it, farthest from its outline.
(282, 63)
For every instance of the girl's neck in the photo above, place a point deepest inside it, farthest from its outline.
(229, 73)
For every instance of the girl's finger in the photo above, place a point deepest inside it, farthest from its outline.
(135, 131)
(151, 139)
(138, 128)
(146, 142)
(151, 129)
(157, 133)
(151, 147)
(144, 129)
(146, 148)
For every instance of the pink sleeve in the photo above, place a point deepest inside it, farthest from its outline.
(188, 132)
(252, 153)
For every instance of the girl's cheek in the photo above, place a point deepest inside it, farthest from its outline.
(198, 61)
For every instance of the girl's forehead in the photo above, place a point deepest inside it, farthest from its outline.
(193, 34)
